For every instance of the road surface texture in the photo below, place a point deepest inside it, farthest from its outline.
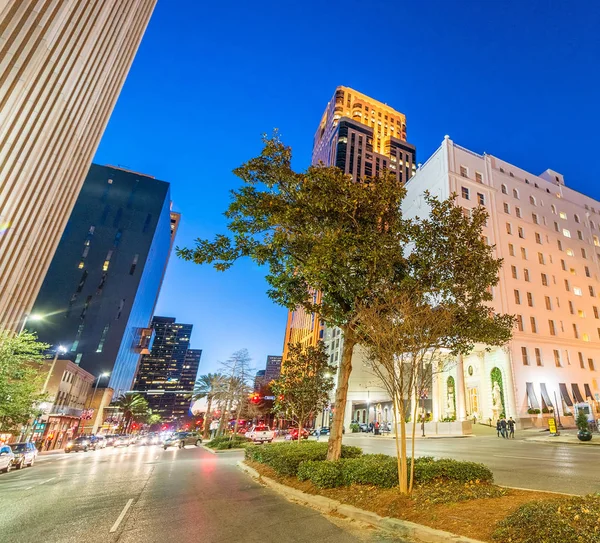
(149, 495)
(515, 462)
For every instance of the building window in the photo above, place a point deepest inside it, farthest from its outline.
(513, 269)
(524, 356)
(530, 299)
(532, 201)
(521, 233)
(481, 199)
(515, 194)
(464, 172)
(523, 253)
(478, 177)
(576, 218)
(518, 211)
(567, 287)
(563, 215)
(581, 313)
(465, 192)
(519, 320)
(583, 253)
(508, 228)
(534, 217)
(557, 358)
(587, 271)
(538, 356)
(577, 291)
(517, 297)
(571, 308)
(559, 243)
(580, 235)
(596, 314)
(504, 191)
(544, 279)
(526, 274)
(506, 208)
(581, 361)
(541, 258)
(563, 265)
(591, 364)
(566, 233)
(552, 327)
(102, 339)
(533, 325)
(548, 303)
(538, 238)
(592, 291)
(575, 331)
(553, 209)
(133, 264)
(511, 249)
(596, 241)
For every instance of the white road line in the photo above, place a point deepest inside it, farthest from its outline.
(29, 488)
(47, 481)
(537, 459)
(115, 526)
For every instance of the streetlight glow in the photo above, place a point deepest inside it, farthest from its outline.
(35, 317)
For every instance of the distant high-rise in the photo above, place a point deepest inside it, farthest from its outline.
(273, 368)
(259, 380)
(62, 67)
(100, 291)
(167, 374)
(362, 137)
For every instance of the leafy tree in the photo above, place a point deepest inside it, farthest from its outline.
(134, 407)
(306, 380)
(21, 379)
(316, 231)
(212, 387)
(237, 373)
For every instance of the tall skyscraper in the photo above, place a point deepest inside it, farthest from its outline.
(362, 137)
(167, 374)
(63, 65)
(100, 291)
(273, 368)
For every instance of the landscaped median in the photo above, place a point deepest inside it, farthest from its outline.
(449, 495)
(227, 443)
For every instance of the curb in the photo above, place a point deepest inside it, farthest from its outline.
(224, 451)
(403, 528)
(562, 442)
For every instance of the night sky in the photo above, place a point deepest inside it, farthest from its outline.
(516, 79)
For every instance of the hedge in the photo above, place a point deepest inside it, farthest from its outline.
(285, 458)
(382, 471)
(564, 520)
(226, 442)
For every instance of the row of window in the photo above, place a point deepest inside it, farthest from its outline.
(552, 328)
(557, 358)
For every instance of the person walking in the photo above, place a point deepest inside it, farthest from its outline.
(503, 428)
(498, 427)
(511, 428)
(318, 432)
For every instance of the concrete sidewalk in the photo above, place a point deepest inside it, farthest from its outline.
(568, 437)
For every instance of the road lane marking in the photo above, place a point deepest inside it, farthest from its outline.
(521, 457)
(115, 526)
(47, 481)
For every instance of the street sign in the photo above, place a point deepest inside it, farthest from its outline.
(552, 425)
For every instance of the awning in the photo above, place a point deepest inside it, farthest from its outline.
(576, 393)
(565, 394)
(545, 396)
(533, 401)
(588, 392)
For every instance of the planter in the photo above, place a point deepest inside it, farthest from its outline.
(584, 435)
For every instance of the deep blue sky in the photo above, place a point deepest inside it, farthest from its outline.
(519, 80)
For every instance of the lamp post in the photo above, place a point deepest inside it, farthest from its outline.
(29, 318)
(59, 349)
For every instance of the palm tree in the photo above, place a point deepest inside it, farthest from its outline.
(212, 387)
(133, 406)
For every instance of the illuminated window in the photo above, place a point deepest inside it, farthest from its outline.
(570, 252)
(81, 264)
(581, 313)
(566, 233)
(563, 215)
(596, 241)
(577, 291)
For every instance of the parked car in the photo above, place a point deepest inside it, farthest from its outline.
(181, 439)
(260, 434)
(25, 454)
(292, 434)
(6, 458)
(363, 427)
(81, 443)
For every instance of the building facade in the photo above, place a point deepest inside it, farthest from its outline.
(549, 238)
(362, 137)
(62, 69)
(100, 291)
(167, 374)
(273, 368)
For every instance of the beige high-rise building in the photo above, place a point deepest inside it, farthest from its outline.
(62, 66)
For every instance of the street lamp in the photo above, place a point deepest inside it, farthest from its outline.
(59, 349)
(33, 317)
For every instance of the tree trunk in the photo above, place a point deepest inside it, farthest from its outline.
(223, 417)
(207, 419)
(300, 424)
(412, 450)
(237, 418)
(334, 447)
(397, 438)
(403, 475)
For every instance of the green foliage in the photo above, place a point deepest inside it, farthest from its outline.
(223, 443)
(533, 411)
(285, 458)
(133, 406)
(564, 520)
(21, 379)
(305, 383)
(354, 428)
(582, 420)
(382, 471)
(445, 491)
(496, 377)
(210, 386)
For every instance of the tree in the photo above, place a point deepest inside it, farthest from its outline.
(134, 407)
(237, 373)
(306, 380)
(21, 379)
(212, 387)
(440, 310)
(315, 231)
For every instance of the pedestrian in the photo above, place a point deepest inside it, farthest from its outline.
(503, 428)
(214, 426)
(498, 427)
(318, 432)
(511, 427)
(370, 427)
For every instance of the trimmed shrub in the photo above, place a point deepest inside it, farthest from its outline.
(428, 469)
(285, 458)
(564, 520)
(225, 442)
(371, 469)
(322, 474)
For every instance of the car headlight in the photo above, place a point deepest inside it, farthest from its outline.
(70, 444)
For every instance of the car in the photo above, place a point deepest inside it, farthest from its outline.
(81, 443)
(292, 434)
(260, 434)
(148, 439)
(363, 427)
(110, 439)
(6, 458)
(181, 439)
(121, 441)
(25, 454)
(100, 442)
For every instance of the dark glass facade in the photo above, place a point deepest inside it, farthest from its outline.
(100, 291)
(167, 374)
(273, 368)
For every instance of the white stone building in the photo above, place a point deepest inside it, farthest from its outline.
(549, 238)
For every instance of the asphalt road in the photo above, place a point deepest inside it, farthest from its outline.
(518, 463)
(148, 495)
